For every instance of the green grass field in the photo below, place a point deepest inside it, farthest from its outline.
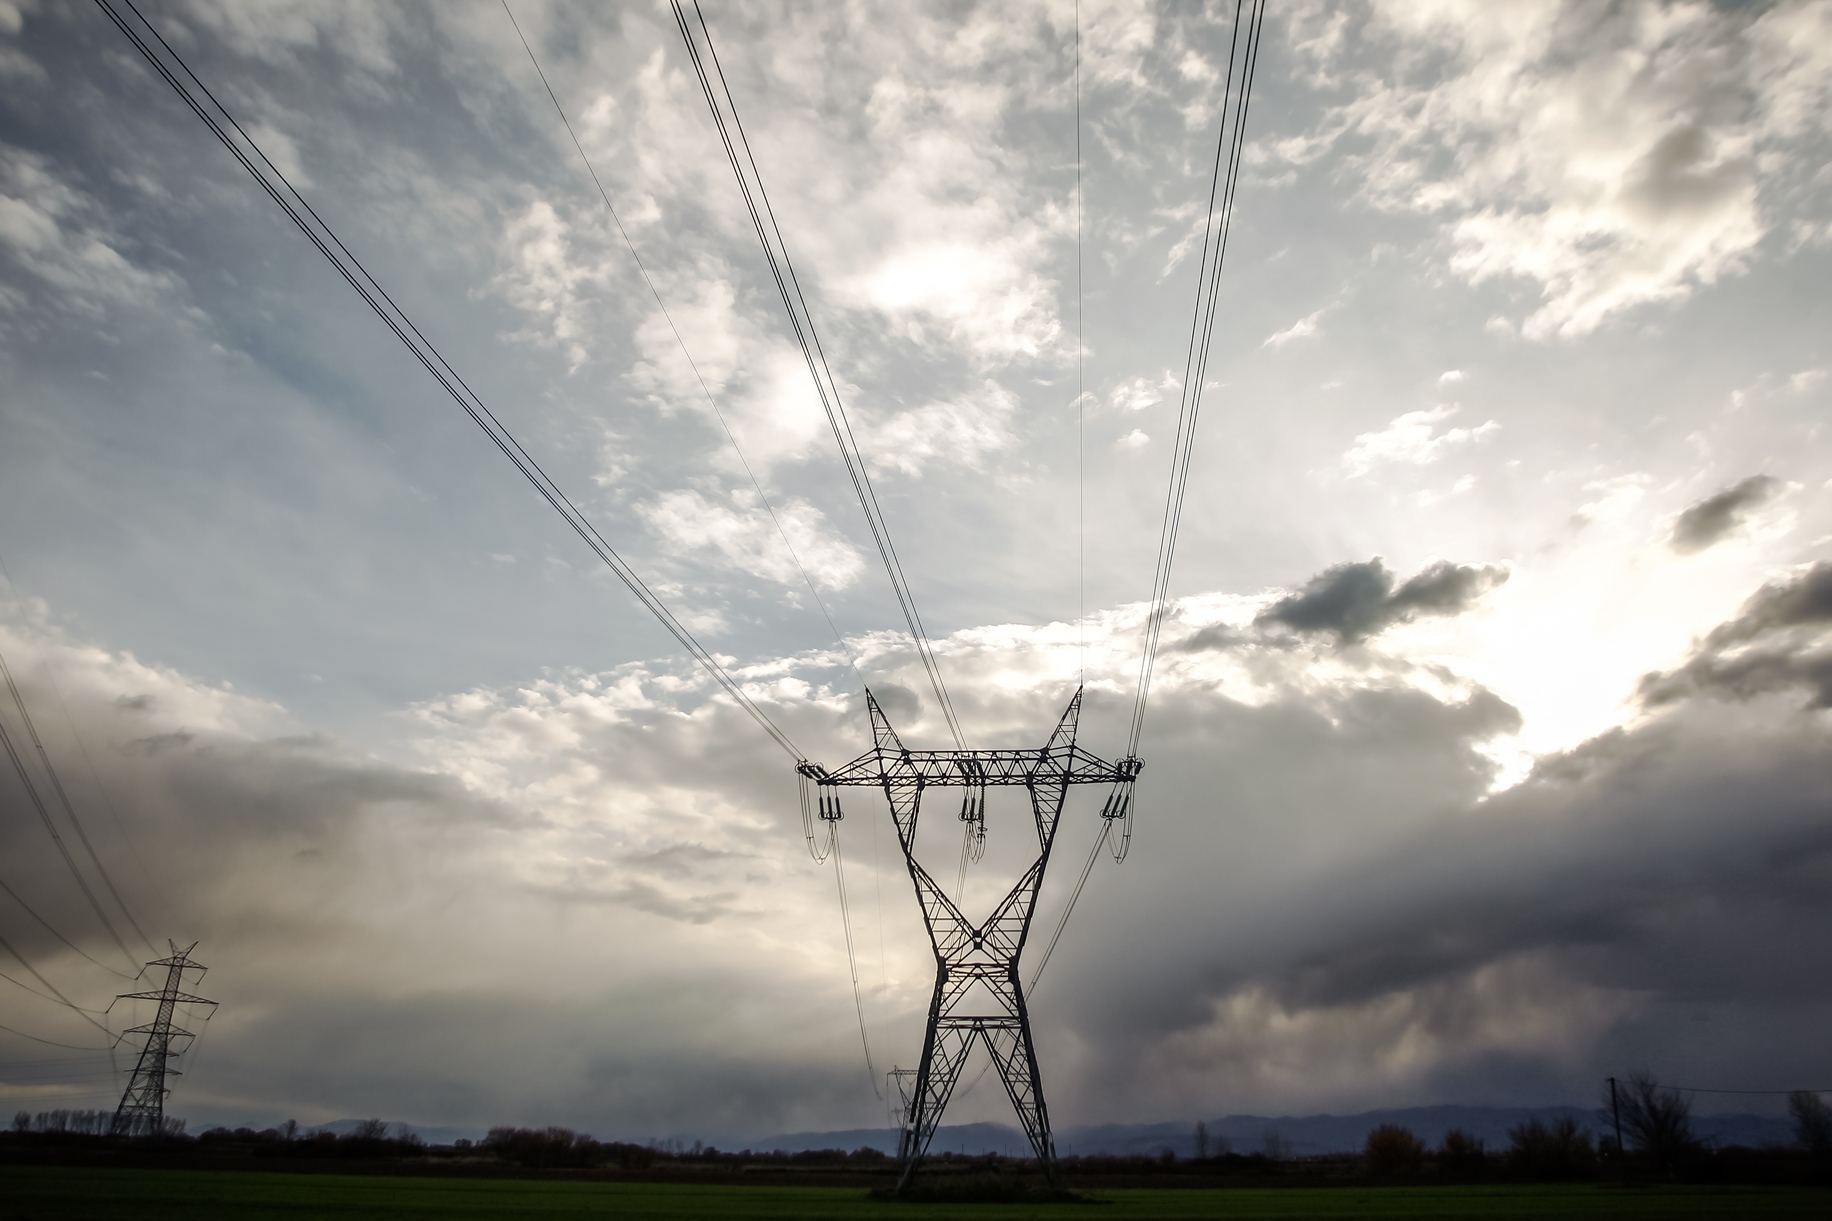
(33, 1192)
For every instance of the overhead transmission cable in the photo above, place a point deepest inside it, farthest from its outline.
(1081, 458)
(1229, 143)
(1049, 947)
(1228, 149)
(852, 958)
(63, 799)
(56, 995)
(1699, 1089)
(114, 815)
(711, 401)
(52, 929)
(63, 849)
(756, 484)
(737, 147)
(54, 999)
(51, 1042)
(176, 73)
(1081, 507)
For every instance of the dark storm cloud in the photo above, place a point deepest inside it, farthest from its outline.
(1655, 877)
(1650, 858)
(1777, 643)
(1354, 601)
(238, 830)
(1714, 517)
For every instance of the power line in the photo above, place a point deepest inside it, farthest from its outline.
(55, 994)
(44, 662)
(50, 1042)
(1069, 908)
(54, 999)
(44, 815)
(50, 928)
(788, 285)
(247, 152)
(712, 402)
(852, 958)
(1695, 1089)
(14, 1065)
(1081, 459)
(57, 786)
(1228, 148)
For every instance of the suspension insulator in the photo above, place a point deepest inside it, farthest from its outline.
(830, 806)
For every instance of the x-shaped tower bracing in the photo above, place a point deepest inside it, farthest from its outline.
(978, 996)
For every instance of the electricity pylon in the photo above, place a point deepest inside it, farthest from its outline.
(142, 1109)
(978, 996)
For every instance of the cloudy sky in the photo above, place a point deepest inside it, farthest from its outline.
(1489, 752)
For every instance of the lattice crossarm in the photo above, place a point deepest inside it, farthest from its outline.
(183, 998)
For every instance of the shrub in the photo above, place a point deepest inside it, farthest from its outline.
(1461, 1152)
(1392, 1149)
(1559, 1150)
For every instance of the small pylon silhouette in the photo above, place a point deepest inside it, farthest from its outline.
(142, 1109)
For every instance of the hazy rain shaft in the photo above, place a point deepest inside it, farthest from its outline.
(1487, 753)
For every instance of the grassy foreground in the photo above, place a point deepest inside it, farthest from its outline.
(28, 1193)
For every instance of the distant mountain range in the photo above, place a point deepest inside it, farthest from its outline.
(1293, 1135)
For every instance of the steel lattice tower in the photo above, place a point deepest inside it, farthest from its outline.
(978, 996)
(142, 1109)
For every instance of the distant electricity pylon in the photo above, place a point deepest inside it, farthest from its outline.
(142, 1109)
(978, 997)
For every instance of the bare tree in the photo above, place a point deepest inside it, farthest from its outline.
(1202, 1141)
(1657, 1120)
(1812, 1121)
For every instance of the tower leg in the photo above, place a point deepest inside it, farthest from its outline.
(944, 1052)
(1016, 1059)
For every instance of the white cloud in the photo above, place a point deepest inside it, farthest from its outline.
(548, 272)
(959, 431)
(60, 236)
(1133, 440)
(287, 31)
(1614, 155)
(985, 294)
(1303, 328)
(742, 532)
(1412, 438)
(1138, 393)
